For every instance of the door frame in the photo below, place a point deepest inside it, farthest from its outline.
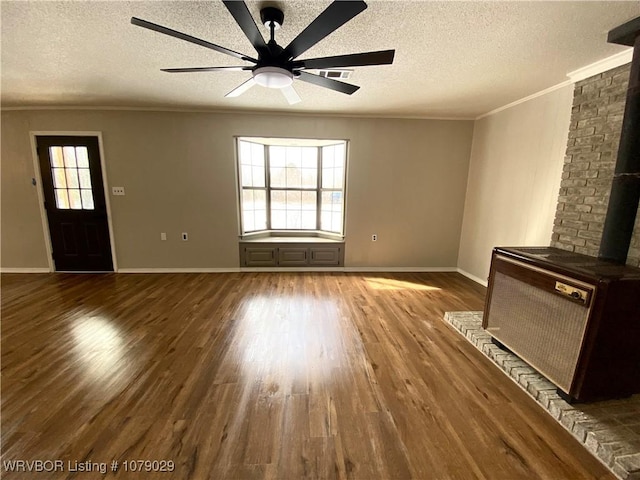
(38, 177)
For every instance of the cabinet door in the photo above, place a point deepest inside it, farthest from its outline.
(259, 257)
(292, 256)
(328, 256)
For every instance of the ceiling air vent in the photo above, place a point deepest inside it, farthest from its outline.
(336, 73)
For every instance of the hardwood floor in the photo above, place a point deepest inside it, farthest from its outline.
(262, 375)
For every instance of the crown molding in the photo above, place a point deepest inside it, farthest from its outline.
(621, 58)
(526, 99)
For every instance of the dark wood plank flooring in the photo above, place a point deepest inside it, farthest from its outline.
(263, 375)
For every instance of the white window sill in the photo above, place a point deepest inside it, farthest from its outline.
(292, 237)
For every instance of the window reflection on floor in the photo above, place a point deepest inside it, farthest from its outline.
(99, 349)
(391, 284)
(289, 337)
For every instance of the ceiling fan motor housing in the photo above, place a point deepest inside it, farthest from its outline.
(272, 14)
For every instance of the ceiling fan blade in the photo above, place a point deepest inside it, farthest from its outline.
(383, 57)
(243, 87)
(244, 19)
(328, 83)
(205, 69)
(335, 15)
(291, 95)
(183, 36)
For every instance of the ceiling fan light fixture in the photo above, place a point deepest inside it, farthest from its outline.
(273, 77)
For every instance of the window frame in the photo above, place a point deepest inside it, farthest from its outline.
(266, 143)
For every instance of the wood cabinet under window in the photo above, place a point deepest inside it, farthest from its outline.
(289, 254)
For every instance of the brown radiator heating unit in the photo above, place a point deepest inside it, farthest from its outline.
(574, 318)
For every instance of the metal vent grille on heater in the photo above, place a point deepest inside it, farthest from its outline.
(544, 329)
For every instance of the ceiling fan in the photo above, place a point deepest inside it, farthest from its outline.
(277, 67)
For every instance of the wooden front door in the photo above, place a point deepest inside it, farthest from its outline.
(75, 203)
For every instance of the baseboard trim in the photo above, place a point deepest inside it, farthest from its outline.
(400, 269)
(482, 282)
(289, 269)
(24, 270)
(178, 270)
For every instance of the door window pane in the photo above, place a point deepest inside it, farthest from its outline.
(59, 178)
(82, 157)
(85, 178)
(62, 199)
(72, 183)
(72, 178)
(55, 153)
(69, 157)
(87, 199)
(74, 199)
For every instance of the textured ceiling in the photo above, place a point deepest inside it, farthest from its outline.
(453, 59)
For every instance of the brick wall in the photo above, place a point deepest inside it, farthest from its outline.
(592, 148)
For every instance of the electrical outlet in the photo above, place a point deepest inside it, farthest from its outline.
(185, 236)
(374, 237)
(117, 190)
(163, 236)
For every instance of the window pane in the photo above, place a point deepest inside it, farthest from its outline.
(336, 225)
(325, 220)
(277, 156)
(260, 220)
(246, 176)
(85, 178)
(293, 219)
(327, 157)
(74, 199)
(87, 199)
(82, 157)
(62, 199)
(309, 178)
(247, 200)
(72, 178)
(278, 177)
(278, 200)
(339, 154)
(294, 177)
(258, 176)
(259, 200)
(294, 156)
(254, 210)
(308, 220)
(244, 153)
(248, 221)
(327, 178)
(69, 156)
(278, 219)
(59, 178)
(338, 175)
(56, 157)
(294, 200)
(257, 155)
(309, 201)
(309, 157)
(331, 211)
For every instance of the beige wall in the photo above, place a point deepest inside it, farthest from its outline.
(514, 177)
(407, 181)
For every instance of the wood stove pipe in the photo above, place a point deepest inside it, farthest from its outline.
(625, 190)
